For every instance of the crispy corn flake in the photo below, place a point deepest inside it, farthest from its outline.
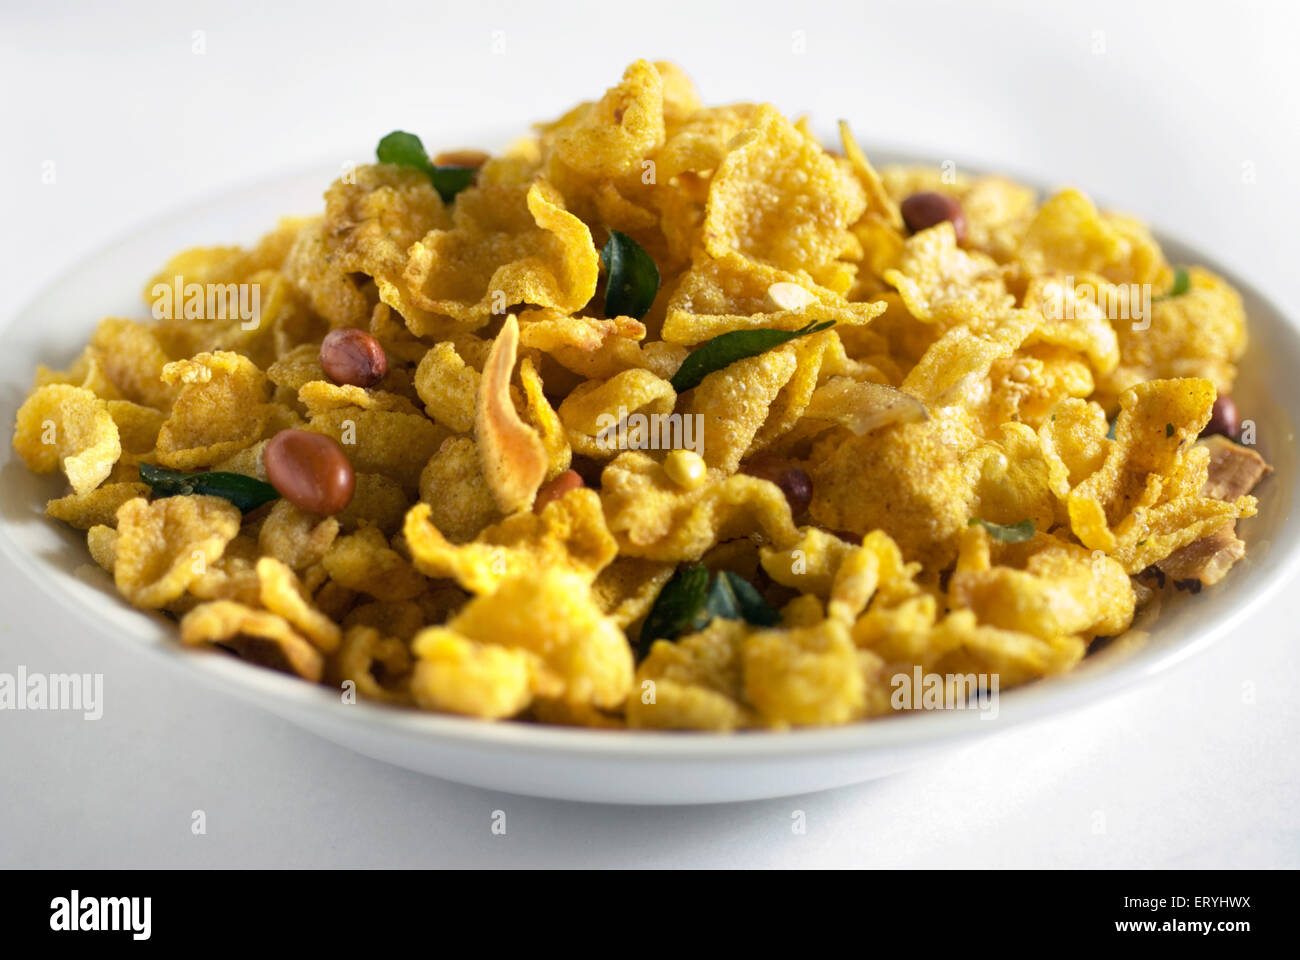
(803, 676)
(452, 486)
(295, 537)
(1201, 333)
(509, 245)
(610, 137)
(133, 359)
(652, 517)
(568, 534)
(733, 403)
(283, 594)
(1069, 235)
(364, 562)
(255, 635)
(539, 633)
(165, 546)
(388, 442)
(598, 415)
(447, 386)
(321, 396)
(694, 683)
(220, 409)
(918, 491)
(365, 655)
(1046, 587)
(779, 200)
(626, 589)
(719, 296)
(97, 507)
(61, 427)
(940, 283)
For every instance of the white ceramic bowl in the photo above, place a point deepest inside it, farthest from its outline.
(591, 765)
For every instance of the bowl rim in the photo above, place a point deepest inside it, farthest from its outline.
(293, 698)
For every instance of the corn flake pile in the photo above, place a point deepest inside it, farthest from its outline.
(973, 508)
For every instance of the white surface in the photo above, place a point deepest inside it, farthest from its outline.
(1197, 768)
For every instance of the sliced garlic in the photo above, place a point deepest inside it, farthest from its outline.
(788, 296)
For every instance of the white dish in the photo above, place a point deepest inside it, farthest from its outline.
(590, 765)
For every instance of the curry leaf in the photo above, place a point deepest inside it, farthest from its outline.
(247, 493)
(1182, 283)
(732, 597)
(726, 349)
(406, 150)
(689, 602)
(1010, 533)
(677, 608)
(632, 277)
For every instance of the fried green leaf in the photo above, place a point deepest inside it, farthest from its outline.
(247, 493)
(724, 350)
(632, 277)
(1007, 533)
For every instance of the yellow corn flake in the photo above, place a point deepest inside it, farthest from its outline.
(1010, 478)
(626, 589)
(1201, 333)
(809, 565)
(540, 633)
(940, 283)
(220, 409)
(1046, 587)
(61, 427)
(1069, 235)
(101, 541)
(778, 200)
(137, 426)
(165, 546)
(320, 396)
(720, 296)
(804, 676)
(294, 537)
(447, 386)
(255, 635)
(362, 651)
(627, 411)
(918, 491)
(1075, 316)
(509, 245)
(731, 405)
(87, 372)
(1158, 424)
(96, 507)
(694, 683)
(568, 534)
(955, 365)
(390, 442)
(377, 501)
(133, 359)
(283, 594)
(452, 485)
(545, 421)
(652, 517)
(364, 562)
(609, 138)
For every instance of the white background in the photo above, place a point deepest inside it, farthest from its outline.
(1160, 108)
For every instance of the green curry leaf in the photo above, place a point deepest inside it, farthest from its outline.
(632, 277)
(1010, 533)
(727, 348)
(247, 493)
(406, 150)
(689, 602)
